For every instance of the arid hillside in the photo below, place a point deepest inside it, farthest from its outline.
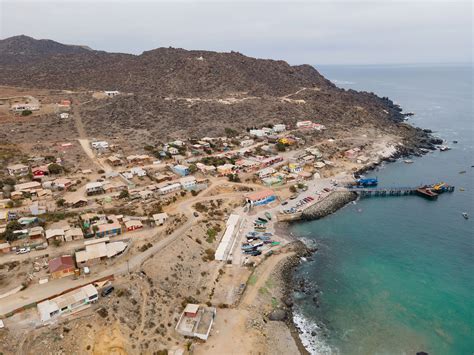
(170, 92)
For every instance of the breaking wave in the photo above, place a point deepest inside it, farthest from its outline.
(310, 335)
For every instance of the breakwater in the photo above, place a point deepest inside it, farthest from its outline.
(334, 201)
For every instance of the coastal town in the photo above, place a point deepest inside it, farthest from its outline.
(207, 212)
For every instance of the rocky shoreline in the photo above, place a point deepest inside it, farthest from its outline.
(333, 202)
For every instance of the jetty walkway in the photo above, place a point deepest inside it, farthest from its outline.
(390, 191)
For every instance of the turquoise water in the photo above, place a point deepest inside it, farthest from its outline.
(395, 274)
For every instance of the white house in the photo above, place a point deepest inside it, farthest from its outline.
(188, 182)
(160, 218)
(18, 169)
(280, 127)
(267, 172)
(246, 143)
(100, 145)
(112, 93)
(94, 188)
(138, 171)
(257, 133)
(67, 302)
(64, 115)
(169, 188)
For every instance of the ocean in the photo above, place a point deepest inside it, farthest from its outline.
(395, 275)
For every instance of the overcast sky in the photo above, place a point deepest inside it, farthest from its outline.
(314, 32)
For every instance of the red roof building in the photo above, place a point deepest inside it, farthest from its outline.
(62, 266)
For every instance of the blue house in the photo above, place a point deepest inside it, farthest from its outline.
(181, 170)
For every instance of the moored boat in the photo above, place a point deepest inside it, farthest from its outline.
(465, 215)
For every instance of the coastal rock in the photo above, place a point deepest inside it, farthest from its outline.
(277, 315)
(329, 205)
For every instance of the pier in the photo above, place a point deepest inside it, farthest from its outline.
(398, 191)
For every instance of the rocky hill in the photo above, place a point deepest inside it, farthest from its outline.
(170, 92)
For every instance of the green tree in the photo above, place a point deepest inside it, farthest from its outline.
(229, 132)
(60, 202)
(293, 189)
(55, 168)
(10, 228)
(26, 112)
(124, 194)
(280, 147)
(192, 168)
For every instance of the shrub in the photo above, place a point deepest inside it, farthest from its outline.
(26, 112)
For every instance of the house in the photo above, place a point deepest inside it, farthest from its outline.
(62, 183)
(265, 173)
(196, 321)
(108, 229)
(75, 202)
(133, 225)
(28, 186)
(26, 221)
(16, 195)
(163, 177)
(40, 171)
(271, 160)
(188, 182)
(18, 169)
(112, 93)
(97, 250)
(318, 127)
(55, 234)
(181, 170)
(94, 188)
(36, 233)
(64, 105)
(68, 302)
(5, 248)
(173, 150)
(139, 159)
(273, 180)
(61, 267)
(225, 169)
(351, 153)
(100, 145)
(206, 169)
(73, 234)
(279, 128)
(64, 115)
(169, 188)
(259, 198)
(314, 151)
(114, 187)
(160, 218)
(257, 133)
(246, 143)
(294, 167)
(138, 171)
(114, 160)
(4, 203)
(24, 107)
(304, 124)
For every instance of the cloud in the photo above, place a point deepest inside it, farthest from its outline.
(317, 32)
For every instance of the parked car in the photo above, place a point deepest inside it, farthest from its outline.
(23, 250)
(284, 203)
(196, 214)
(107, 291)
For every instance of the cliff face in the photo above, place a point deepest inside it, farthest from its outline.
(189, 92)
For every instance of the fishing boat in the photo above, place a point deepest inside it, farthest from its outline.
(465, 215)
(444, 148)
(268, 215)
